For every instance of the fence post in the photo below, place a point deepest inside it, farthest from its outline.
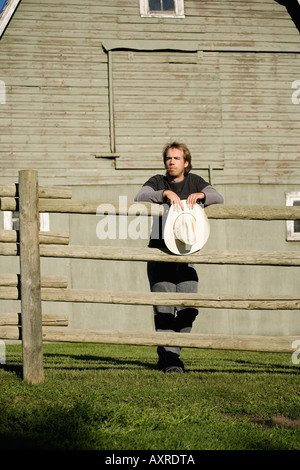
(31, 310)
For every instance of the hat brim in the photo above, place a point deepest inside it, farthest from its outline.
(177, 246)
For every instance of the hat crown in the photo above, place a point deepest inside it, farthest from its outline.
(186, 231)
(185, 228)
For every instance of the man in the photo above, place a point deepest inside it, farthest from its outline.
(176, 185)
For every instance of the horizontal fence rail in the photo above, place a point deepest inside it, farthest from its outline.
(231, 342)
(13, 280)
(30, 199)
(50, 319)
(244, 302)
(178, 299)
(61, 192)
(188, 340)
(145, 208)
(237, 257)
(11, 236)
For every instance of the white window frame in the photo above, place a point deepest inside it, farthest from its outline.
(179, 10)
(291, 235)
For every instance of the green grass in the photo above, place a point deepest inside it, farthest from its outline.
(113, 398)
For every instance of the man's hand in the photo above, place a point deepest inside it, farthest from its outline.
(193, 198)
(174, 199)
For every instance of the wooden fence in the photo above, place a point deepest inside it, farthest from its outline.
(29, 245)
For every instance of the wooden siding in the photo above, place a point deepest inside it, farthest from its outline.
(234, 108)
(229, 100)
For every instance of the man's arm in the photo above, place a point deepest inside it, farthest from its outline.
(212, 196)
(208, 196)
(148, 194)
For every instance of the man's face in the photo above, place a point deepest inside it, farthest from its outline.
(175, 164)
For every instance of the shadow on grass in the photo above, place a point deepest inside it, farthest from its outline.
(95, 362)
(15, 369)
(105, 363)
(47, 427)
(83, 424)
(204, 363)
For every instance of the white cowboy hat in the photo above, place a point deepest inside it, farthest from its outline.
(186, 231)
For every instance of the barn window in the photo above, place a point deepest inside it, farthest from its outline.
(293, 226)
(167, 8)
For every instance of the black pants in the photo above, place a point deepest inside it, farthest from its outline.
(173, 277)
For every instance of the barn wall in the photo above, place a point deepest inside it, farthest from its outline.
(223, 84)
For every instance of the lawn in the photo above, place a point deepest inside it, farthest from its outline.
(110, 397)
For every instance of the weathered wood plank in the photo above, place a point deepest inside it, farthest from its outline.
(9, 293)
(186, 300)
(12, 280)
(8, 236)
(8, 190)
(48, 319)
(32, 346)
(259, 258)
(9, 249)
(54, 238)
(69, 166)
(237, 342)
(252, 212)
(11, 190)
(9, 280)
(54, 281)
(104, 177)
(11, 236)
(216, 211)
(10, 319)
(10, 332)
(251, 163)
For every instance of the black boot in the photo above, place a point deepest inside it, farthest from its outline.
(169, 361)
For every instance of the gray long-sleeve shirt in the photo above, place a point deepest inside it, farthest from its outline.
(153, 189)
